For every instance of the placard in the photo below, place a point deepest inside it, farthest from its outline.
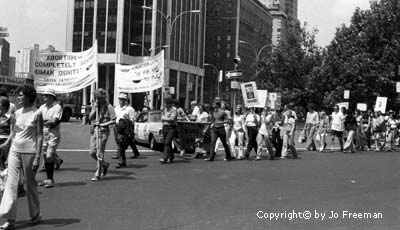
(397, 87)
(380, 104)
(343, 104)
(346, 94)
(250, 94)
(262, 98)
(362, 107)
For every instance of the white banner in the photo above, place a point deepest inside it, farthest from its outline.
(343, 104)
(142, 77)
(66, 72)
(381, 104)
(250, 94)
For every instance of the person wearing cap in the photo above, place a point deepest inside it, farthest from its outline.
(100, 131)
(124, 129)
(218, 120)
(51, 112)
(168, 118)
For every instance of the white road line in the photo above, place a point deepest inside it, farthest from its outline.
(108, 150)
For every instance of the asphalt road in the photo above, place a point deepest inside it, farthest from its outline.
(193, 194)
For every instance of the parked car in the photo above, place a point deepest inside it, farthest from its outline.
(148, 129)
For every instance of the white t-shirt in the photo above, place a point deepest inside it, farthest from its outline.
(203, 117)
(312, 118)
(252, 120)
(51, 112)
(126, 112)
(337, 121)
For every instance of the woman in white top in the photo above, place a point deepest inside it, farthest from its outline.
(202, 116)
(251, 123)
(288, 135)
(392, 131)
(264, 134)
(237, 133)
(24, 153)
(323, 130)
(312, 121)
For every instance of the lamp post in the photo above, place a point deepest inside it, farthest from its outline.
(170, 25)
(257, 53)
(143, 49)
(216, 69)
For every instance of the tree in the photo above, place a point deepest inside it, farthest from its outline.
(363, 57)
(291, 65)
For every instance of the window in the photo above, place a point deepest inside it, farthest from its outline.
(228, 54)
(228, 46)
(228, 38)
(218, 38)
(218, 46)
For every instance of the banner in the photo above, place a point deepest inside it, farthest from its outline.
(381, 104)
(343, 104)
(262, 98)
(66, 72)
(249, 93)
(192, 132)
(142, 77)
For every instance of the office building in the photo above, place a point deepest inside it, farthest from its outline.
(25, 61)
(11, 66)
(235, 28)
(4, 57)
(127, 33)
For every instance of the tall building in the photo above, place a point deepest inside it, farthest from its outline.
(291, 9)
(126, 33)
(4, 57)
(235, 28)
(25, 60)
(11, 66)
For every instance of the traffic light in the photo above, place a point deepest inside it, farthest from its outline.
(237, 61)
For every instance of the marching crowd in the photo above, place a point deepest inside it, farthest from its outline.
(29, 132)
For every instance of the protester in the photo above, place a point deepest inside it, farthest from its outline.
(322, 130)
(312, 121)
(360, 134)
(350, 124)
(124, 129)
(195, 110)
(367, 126)
(264, 134)
(12, 108)
(25, 152)
(100, 131)
(203, 115)
(276, 138)
(378, 129)
(219, 119)
(52, 113)
(181, 116)
(169, 118)
(251, 124)
(6, 126)
(392, 131)
(227, 126)
(337, 127)
(288, 135)
(237, 134)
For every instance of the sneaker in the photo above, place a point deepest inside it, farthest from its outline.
(282, 157)
(9, 224)
(43, 183)
(163, 161)
(35, 220)
(257, 158)
(58, 164)
(49, 184)
(95, 178)
(105, 169)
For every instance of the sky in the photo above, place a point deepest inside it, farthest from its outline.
(44, 21)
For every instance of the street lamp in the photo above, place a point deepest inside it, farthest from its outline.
(163, 47)
(170, 25)
(137, 44)
(255, 50)
(216, 69)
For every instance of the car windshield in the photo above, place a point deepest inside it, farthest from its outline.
(155, 117)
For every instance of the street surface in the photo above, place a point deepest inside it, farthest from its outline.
(193, 194)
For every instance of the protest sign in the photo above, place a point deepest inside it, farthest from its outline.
(362, 107)
(142, 77)
(262, 98)
(249, 93)
(346, 94)
(274, 101)
(66, 72)
(397, 87)
(380, 104)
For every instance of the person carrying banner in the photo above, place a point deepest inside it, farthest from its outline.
(181, 116)
(25, 152)
(169, 118)
(218, 119)
(124, 129)
(52, 113)
(100, 131)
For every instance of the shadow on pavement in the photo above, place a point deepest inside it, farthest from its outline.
(135, 166)
(68, 169)
(72, 183)
(118, 178)
(57, 222)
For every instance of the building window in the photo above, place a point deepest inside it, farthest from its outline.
(228, 46)
(228, 54)
(228, 38)
(218, 38)
(218, 46)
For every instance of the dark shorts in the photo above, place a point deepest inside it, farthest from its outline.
(337, 134)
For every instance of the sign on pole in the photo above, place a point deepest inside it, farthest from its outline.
(250, 95)
(262, 98)
(346, 94)
(362, 107)
(380, 104)
(235, 85)
(143, 77)
(66, 72)
(274, 101)
(397, 87)
(220, 75)
(233, 74)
